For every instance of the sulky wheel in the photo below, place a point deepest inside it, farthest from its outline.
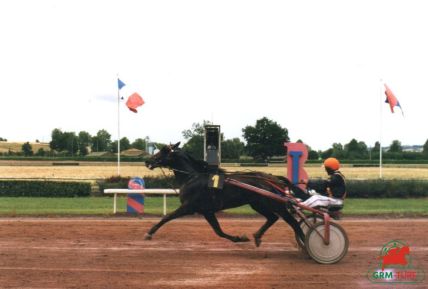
(312, 219)
(331, 253)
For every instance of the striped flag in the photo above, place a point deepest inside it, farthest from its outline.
(391, 99)
(134, 100)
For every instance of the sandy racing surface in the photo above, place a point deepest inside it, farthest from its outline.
(111, 253)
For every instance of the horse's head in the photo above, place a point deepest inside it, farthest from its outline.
(162, 158)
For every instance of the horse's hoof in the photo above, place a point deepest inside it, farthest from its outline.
(148, 236)
(244, 238)
(257, 240)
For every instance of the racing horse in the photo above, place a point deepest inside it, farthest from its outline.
(197, 197)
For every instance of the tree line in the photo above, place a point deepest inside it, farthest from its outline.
(71, 144)
(266, 138)
(263, 141)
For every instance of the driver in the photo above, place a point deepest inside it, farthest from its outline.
(333, 189)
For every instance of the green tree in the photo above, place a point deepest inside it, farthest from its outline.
(41, 152)
(124, 145)
(101, 142)
(113, 147)
(139, 143)
(337, 151)
(313, 155)
(395, 147)
(374, 151)
(85, 141)
(71, 143)
(195, 147)
(356, 150)
(27, 149)
(265, 139)
(425, 149)
(232, 149)
(196, 130)
(327, 153)
(64, 141)
(195, 140)
(57, 140)
(364, 150)
(376, 148)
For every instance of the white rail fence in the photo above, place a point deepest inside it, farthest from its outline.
(163, 192)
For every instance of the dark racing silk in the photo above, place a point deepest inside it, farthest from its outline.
(334, 186)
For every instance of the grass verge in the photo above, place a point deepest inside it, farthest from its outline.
(24, 206)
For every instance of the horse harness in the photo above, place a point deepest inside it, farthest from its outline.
(215, 181)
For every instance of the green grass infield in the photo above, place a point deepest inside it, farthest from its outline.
(99, 206)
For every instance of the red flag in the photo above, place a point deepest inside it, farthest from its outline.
(391, 99)
(134, 101)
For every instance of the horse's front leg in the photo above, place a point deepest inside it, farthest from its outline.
(181, 211)
(212, 220)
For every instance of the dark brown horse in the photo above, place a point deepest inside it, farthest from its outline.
(197, 196)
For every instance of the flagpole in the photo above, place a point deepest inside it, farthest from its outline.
(380, 128)
(118, 129)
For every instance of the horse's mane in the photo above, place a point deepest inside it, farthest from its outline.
(201, 165)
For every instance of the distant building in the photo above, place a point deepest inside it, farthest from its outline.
(413, 148)
(133, 153)
(100, 154)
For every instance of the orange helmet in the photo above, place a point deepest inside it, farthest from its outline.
(332, 163)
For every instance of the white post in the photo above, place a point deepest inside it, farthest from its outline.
(382, 89)
(114, 203)
(118, 130)
(164, 204)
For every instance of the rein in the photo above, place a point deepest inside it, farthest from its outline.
(175, 170)
(180, 171)
(170, 183)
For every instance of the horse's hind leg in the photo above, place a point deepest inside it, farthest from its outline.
(181, 211)
(212, 220)
(271, 218)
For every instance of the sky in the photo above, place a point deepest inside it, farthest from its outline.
(314, 67)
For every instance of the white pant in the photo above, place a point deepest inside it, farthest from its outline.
(321, 201)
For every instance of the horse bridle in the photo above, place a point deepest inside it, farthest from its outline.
(171, 169)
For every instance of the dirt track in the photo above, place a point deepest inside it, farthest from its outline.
(111, 253)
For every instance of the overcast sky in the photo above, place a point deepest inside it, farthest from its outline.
(314, 67)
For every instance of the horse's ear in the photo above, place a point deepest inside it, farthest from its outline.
(175, 146)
